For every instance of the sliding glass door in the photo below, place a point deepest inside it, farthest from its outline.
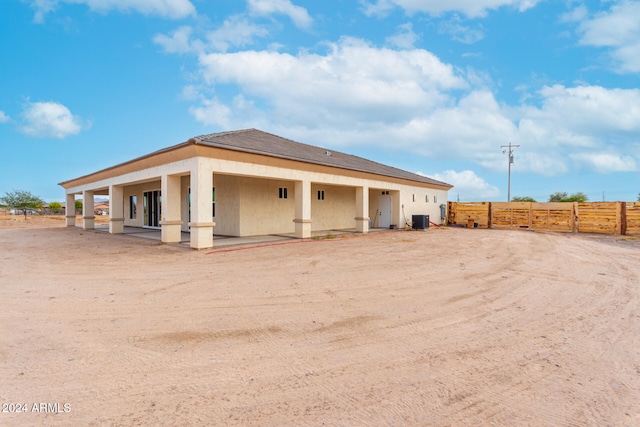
(152, 208)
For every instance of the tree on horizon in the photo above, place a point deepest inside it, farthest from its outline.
(523, 199)
(20, 199)
(562, 196)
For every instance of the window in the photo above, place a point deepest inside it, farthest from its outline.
(414, 197)
(435, 199)
(213, 202)
(320, 194)
(282, 193)
(133, 208)
(426, 198)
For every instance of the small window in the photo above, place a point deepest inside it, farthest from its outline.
(213, 202)
(427, 198)
(282, 193)
(435, 199)
(133, 208)
(320, 194)
(414, 197)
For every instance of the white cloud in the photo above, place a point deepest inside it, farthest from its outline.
(51, 120)
(606, 162)
(172, 9)
(467, 185)
(235, 31)
(356, 94)
(42, 7)
(472, 9)
(297, 14)
(213, 113)
(353, 81)
(590, 110)
(460, 32)
(379, 8)
(619, 30)
(3, 117)
(405, 38)
(578, 14)
(179, 41)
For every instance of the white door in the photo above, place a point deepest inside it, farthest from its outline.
(384, 211)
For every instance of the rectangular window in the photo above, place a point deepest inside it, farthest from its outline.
(435, 199)
(426, 198)
(282, 193)
(414, 197)
(320, 194)
(133, 208)
(213, 202)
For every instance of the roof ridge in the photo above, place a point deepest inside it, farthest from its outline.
(269, 144)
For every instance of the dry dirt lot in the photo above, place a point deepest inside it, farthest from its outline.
(445, 327)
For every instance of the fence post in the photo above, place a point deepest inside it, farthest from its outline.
(489, 214)
(530, 215)
(621, 218)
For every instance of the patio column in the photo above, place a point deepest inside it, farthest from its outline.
(170, 222)
(201, 206)
(87, 210)
(362, 209)
(303, 209)
(116, 209)
(70, 210)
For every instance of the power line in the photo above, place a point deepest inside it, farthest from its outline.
(511, 147)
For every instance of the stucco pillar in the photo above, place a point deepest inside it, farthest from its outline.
(396, 210)
(70, 210)
(201, 207)
(185, 184)
(87, 210)
(171, 203)
(303, 209)
(362, 209)
(116, 209)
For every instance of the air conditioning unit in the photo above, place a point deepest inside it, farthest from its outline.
(420, 222)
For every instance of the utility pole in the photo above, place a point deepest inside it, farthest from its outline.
(510, 150)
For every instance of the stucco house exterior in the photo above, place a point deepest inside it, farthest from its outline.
(249, 182)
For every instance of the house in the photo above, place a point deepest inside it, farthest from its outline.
(250, 182)
(101, 208)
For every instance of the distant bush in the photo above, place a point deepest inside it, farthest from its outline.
(564, 197)
(55, 207)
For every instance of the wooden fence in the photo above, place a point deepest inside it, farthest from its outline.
(596, 217)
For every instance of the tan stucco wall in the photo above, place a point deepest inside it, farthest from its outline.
(420, 205)
(261, 209)
(138, 191)
(250, 206)
(227, 204)
(404, 206)
(337, 210)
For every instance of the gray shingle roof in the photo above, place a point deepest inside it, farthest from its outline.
(259, 142)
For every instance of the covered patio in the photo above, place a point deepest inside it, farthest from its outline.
(220, 241)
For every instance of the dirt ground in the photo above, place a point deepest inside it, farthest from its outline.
(444, 327)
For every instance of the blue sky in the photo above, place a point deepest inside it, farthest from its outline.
(429, 86)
